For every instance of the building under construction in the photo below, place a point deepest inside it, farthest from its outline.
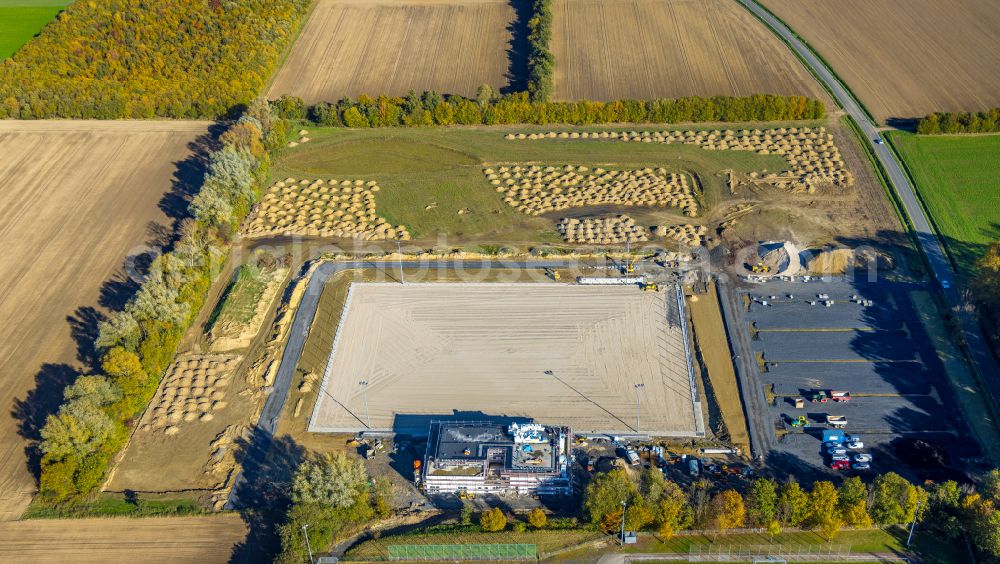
(490, 457)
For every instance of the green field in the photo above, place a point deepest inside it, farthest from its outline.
(428, 175)
(958, 178)
(20, 20)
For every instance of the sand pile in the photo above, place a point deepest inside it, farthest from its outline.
(320, 208)
(811, 154)
(535, 189)
(602, 230)
(193, 388)
(691, 235)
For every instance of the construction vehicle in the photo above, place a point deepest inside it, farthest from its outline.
(630, 266)
(800, 403)
(819, 397)
(836, 421)
(760, 268)
(649, 287)
(840, 396)
(799, 421)
(553, 274)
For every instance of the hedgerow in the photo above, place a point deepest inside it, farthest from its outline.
(960, 122)
(141, 59)
(138, 342)
(431, 108)
(541, 61)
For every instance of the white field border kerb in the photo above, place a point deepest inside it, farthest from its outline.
(682, 320)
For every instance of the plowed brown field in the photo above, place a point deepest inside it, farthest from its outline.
(612, 49)
(78, 197)
(906, 59)
(351, 47)
(158, 539)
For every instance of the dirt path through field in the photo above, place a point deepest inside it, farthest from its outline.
(156, 539)
(78, 198)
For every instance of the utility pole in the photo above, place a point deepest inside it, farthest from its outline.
(638, 406)
(913, 525)
(308, 546)
(624, 506)
(399, 251)
(364, 392)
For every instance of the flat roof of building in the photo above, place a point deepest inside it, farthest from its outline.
(478, 442)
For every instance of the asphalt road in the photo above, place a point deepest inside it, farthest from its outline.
(975, 342)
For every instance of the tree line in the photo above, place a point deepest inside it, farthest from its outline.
(490, 108)
(138, 343)
(541, 61)
(960, 122)
(947, 510)
(136, 59)
(333, 495)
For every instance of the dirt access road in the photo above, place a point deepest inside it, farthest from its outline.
(156, 539)
(79, 197)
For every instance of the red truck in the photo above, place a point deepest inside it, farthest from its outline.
(840, 396)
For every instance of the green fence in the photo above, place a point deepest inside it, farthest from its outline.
(462, 552)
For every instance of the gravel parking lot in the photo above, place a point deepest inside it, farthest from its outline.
(868, 342)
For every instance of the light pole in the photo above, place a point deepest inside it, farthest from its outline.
(399, 251)
(308, 546)
(364, 392)
(913, 525)
(638, 405)
(624, 506)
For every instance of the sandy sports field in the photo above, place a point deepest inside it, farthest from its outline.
(905, 60)
(614, 49)
(351, 47)
(155, 539)
(79, 197)
(482, 350)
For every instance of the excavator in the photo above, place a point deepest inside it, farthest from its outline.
(799, 421)
(760, 268)
(650, 287)
(630, 266)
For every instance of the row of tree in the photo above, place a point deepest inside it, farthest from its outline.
(960, 122)
(655, 503)
(134, 59)
(138, 343)
(541, 61)
(488, 108)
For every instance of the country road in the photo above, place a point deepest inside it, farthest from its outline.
(928, 240)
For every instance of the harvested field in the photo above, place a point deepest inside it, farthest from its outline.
(79, 198)
(611, 49)
(157, 539)
(557, 353)
(905, 63)
(352, 47)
